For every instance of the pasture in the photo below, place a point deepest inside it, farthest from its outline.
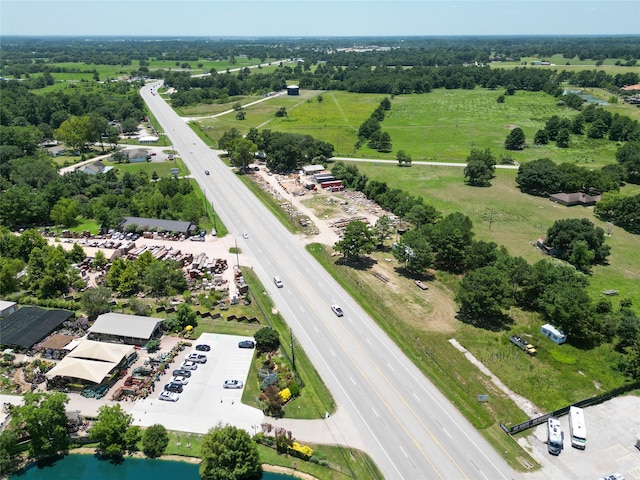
(517, 220)
(443, 125)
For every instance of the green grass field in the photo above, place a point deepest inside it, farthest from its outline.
(517, 220)
(443, 125)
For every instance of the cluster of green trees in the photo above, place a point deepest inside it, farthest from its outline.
(100, 103)
(48, 269)
(543, 177)
(628, 156)
(34, 194)
(622, 210)
(481, 167)
(288, 151)
(594, 122)
(160, 277)
(285, 151)
(371, 129)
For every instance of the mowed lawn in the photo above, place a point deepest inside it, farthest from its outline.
(516, 220)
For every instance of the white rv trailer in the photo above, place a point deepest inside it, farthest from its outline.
(577, 427)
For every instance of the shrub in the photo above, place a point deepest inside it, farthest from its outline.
(294, 389)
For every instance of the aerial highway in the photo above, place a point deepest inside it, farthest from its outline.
(407, 426)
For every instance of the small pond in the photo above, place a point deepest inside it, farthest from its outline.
(83, 467)
(586, 97)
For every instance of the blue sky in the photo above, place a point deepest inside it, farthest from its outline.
(325, 18)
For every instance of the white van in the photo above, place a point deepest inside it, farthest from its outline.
(278, 282)
(554, 334)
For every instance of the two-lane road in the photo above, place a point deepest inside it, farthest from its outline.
(406, 425)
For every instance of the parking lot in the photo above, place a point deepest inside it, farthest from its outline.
(204, 402)
(611, 432)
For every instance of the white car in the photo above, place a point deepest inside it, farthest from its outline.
(197, 357)
(337, 310)
(182, 380)
(278, 282)
(168, 396)
(245, 235)
(189, 366)
(612, 476)
(233, 384)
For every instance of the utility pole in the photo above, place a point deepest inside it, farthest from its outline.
(237, 256)
(293, 354)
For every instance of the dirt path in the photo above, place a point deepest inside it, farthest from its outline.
(525, 405)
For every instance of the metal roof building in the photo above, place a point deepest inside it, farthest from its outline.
(28, 325)
(158, 224)
(119, 327)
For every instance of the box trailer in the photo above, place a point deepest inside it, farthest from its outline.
(554, 334)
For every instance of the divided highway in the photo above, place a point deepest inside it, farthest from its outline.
(406, 425)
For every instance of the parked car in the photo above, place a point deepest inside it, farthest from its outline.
(181, 373)
(337, 310)
(180, 380)
(233, 384)
(278, 282)
(612, 476)
(197, 357)
(203, 348)
(188, 365)
(168, 396)
(246, 344)
(173, 387)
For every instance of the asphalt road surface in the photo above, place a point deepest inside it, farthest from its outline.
(407, 426)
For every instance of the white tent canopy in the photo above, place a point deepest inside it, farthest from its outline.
(91, 370)
(91, 361)
(102, 351)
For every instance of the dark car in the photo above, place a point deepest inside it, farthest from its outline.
(203, 348)
(206, 172)
(181, 373)
(173, 387)
(246, 344)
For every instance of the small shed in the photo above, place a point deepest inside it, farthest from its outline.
(293, 90)
(7, 308)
